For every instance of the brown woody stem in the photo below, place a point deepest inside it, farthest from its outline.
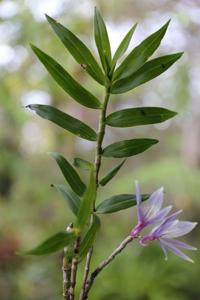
(103, 264)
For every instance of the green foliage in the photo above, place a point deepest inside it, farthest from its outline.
(87, 202)
(78, 50)
(117, 203)
(140, 54)
(111, 174)
(69, 173)
(65, 121)
(83, 164)
(134, 70)
(102, 41)
(70, 197)
(62, 77)
(128, 148)
(122, 47)
(139, 116)
(89, 238)
(53, 243)
(147, 72)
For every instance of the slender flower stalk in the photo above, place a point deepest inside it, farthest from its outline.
(103, 264)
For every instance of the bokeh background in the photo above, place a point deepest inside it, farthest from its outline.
(30, 210)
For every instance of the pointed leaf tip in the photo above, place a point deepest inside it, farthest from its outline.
(102, 41)
(111, 174)
(140, 54)
(139, 116)
(118, 202)
(71, 176)
(65, 121)
(66, 81)
(78, 50)
(128, 148)
(52, 244)
(147, 72)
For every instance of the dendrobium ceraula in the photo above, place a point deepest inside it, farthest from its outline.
(167, 226)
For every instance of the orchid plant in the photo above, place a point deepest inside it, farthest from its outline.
(116, 76)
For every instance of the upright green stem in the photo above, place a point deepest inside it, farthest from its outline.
(98, 156)
(101, 133)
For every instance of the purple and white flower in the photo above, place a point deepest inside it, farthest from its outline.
(166, 232)
(150, 212)
(167, 228)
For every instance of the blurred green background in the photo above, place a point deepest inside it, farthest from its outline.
(30, 210)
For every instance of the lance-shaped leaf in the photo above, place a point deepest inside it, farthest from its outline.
(111, 174)
(54, 243)
(117, 203)
(78, 50)
(122, 47)
(65, 121)
(147, 72)
(89, 237)
(83, 164)
(70, 197)
(69, 173)
(128, 148)
(140, 54)
(66, 81)
(102, 41)
(139, 116)
(87, 202)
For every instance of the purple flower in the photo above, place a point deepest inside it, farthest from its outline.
(150, 212)
(166, 232)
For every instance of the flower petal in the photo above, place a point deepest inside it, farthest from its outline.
(179, 229)
(179, 244)
(138, 200)
(161, 215)
(163, 227)
(173, 216)
(176, 251)
(153, 205)
(164, 249)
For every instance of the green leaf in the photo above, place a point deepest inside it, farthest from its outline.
(54, 243)
(111, 174)
(89, 237)
(83, 164)
(102, 41)
(128, 148)
(87, 202)
(140, 54)
(64, 120)
(70, 197)
(123, 46)
(69, 173)
(117, 203)
(147, 72)
(139, 116)
(78, 50)
(66, 81)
